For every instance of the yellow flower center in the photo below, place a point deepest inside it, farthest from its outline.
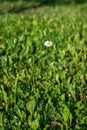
(48, 43)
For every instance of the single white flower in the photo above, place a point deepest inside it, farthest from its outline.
(48, 43)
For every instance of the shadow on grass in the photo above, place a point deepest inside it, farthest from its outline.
(21, 9)
(19, 6)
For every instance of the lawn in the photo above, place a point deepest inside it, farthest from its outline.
(43, 87)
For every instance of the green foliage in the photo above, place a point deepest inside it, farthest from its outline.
(44, 88)
(31, 105)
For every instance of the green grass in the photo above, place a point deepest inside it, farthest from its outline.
(43, 88)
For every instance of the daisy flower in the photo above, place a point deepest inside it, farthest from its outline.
(48, 43)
